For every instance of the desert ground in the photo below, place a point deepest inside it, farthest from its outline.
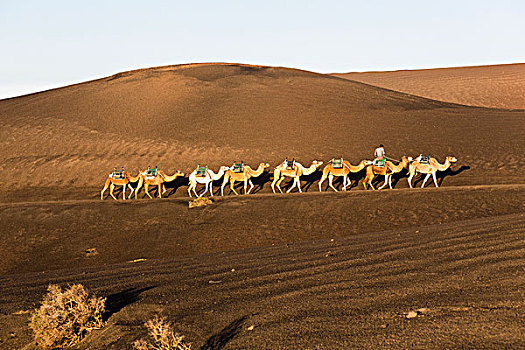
(398, 268)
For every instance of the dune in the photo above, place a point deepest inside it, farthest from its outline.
(494, 86)
(392, 269)
(179, 116)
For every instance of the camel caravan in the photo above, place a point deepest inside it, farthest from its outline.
(239, 172)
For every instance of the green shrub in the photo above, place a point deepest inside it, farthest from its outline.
(66, 317)
(162, 337)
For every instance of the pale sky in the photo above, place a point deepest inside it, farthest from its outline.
(47, 44)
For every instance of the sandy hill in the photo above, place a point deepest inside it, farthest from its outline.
(180, 116)
(498, 86)
(300, 271)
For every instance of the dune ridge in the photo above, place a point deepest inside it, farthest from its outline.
(494, 86)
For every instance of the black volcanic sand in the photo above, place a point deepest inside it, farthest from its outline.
(314, 270)
(287, 271)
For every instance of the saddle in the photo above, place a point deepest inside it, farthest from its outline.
(118, 174)
(151, 172)
(289, 164)
(337, 163)
(238, 167)
(424, 159)
(201, 171)
(380, 163)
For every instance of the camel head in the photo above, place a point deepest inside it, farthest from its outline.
(317, 163)
(406, 161)
(366, 162)
(452, 159)
(266, 165)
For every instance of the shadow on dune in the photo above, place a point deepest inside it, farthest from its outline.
(219, 340)
(173, 186)
(440, 175)
(116, 302)
(261, 180)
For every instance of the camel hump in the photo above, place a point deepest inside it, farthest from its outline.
(201, 170)
(423, 159)
(337, 163)
(118, 174)
(151, 172)
(289, 164)
(238, 167)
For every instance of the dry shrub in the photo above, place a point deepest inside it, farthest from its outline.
(66, 317)
(200, 202)
(161, 337)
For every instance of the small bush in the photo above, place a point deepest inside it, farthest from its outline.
(200, 202)
(66, 317)
(162, 337)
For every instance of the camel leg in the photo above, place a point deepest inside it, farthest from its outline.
(160, 190)
(273, 184)
(345, 179)
(390, 182)
(251, 186)
(132, 189)
(211, 188)
(245, 186)
(331, 182)
(279, 184)
(321, 182)
(232, 184)
(146, 189)
(202, 194)
(194, 191)
(163, 189)
(293, 185)
(369, 182)
(425, 180)
(111, 188)
(106, 185)
(189, 189)
(224, 182)
(384, 184)
(435, 179)
(410, 179)
(299, 185)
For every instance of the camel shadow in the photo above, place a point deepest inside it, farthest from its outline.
(398, 176)
(219, 340)
(449, 172)
(116, 302)
(440, 175)
(173, 186)
(260, 181)
(356, 177)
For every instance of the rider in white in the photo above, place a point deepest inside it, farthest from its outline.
(380, 153)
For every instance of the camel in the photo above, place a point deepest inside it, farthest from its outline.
(295, 172)
(429, 168)
(155, 180)
(205, 176)
(388, 170)
(120, 178)
(244, 176)
(344, 170)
